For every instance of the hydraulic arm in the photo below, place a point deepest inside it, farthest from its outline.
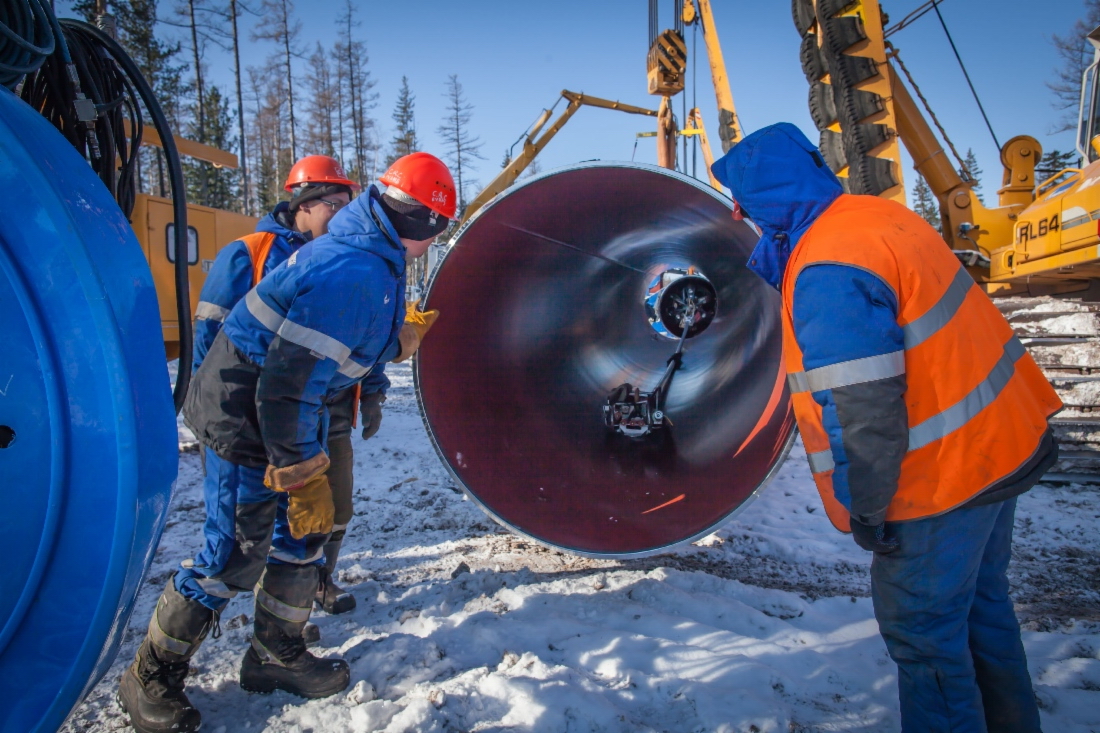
(533, 143)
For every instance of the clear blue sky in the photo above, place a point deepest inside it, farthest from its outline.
(514, 57)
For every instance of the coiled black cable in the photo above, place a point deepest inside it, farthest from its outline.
(28, 35)
(106, 129)
(110, 140)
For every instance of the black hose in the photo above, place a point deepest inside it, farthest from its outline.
(27, 39)
(109, 125)
(179, 198)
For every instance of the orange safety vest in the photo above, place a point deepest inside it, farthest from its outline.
(259, 247)
(978, 404)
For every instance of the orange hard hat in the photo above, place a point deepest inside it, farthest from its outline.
(424, 178)
(314, 169)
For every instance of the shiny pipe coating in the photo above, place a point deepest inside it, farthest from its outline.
(542, 302)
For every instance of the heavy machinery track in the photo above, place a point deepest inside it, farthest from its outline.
(1064, 338)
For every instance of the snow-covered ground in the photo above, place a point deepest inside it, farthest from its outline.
(763, 626)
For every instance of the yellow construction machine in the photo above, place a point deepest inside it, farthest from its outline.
(208, 230)
(1041, 238)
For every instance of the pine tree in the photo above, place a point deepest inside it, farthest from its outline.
(1076, 54)
(1053, 162)
(461, 147)
(925, 204)
(277, 25)
(404, 140)
(972, 172)
(207, 185)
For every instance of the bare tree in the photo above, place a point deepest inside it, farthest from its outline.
(189, 9)
(268, 140)
(1076, 54)
(356, 87)
(278, 26)
(319, 127)
(462, 147)
(234, 12)
(340, 84)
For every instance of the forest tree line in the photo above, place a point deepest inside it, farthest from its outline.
(302, 100)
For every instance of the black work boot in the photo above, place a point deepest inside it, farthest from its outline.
(151, 689)
(331, 598)
(277, 659)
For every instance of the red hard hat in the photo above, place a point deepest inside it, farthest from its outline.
(425, 178)
(318, 169)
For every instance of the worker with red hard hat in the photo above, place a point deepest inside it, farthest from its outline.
(318, 324)
(319, 188)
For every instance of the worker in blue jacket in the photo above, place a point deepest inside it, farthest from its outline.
(319, 323)
(319, 188)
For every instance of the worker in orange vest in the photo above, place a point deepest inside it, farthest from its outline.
(318, 188)
(923, 418)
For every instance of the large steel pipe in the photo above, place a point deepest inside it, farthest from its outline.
(542, 315)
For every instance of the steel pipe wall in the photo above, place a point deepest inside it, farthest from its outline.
(541, 301)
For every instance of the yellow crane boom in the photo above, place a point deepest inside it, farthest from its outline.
(729, 128)
(533, 146)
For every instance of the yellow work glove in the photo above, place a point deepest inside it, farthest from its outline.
(415, 327)
(311, 510)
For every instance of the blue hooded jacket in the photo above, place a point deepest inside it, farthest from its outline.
(319, 323)
(840, 313)
(782, 183)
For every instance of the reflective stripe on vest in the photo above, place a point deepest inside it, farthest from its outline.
(951, 419)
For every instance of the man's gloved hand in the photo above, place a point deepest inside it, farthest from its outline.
(311, 510)
(874, 538)
(415, 327)
(370, 405)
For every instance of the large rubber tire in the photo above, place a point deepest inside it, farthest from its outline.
(832, 149)
(847, 71)
(822, 105)
(840, 34)
(871, 176)
(855, 105)
(813, 63)
(803, 13)
(829, 8)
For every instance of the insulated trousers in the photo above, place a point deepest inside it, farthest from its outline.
(245, 529)
(943, 608)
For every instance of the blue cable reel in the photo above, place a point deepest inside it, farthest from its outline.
(88, 446)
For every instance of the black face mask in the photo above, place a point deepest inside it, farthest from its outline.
(413, 221)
